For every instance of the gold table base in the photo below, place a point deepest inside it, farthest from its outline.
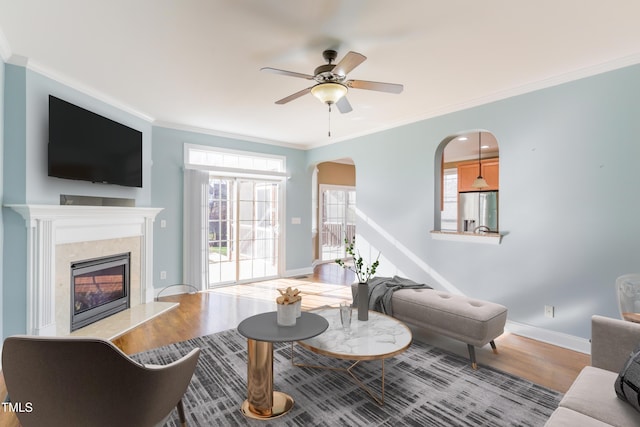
(282, 403)
(379, 400)
(262, 401)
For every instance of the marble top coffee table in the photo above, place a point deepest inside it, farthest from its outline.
(378, 338)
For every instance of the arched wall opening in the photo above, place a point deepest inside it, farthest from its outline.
(467, 183)
(333, 190)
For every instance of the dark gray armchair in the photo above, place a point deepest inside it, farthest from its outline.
(90, 382)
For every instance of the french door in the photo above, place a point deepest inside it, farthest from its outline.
(243, 239)
(337, 220)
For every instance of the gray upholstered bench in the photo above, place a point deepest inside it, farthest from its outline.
(474, 322)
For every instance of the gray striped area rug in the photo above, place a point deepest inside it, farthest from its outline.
(424, 386)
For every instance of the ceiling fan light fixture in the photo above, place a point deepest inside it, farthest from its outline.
(329, 93)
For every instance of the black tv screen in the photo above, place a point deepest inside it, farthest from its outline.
(86, 146)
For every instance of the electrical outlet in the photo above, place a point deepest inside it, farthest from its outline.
(163, 275)
(548, 311)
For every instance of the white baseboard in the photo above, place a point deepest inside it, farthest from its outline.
(298, 272)
(173, 290)
(550, 337)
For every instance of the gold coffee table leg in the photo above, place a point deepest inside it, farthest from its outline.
(379, 399)
(262, 402)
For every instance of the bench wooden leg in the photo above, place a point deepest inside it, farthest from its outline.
(472, 353)
(472, 356)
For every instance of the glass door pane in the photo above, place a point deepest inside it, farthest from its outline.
(243, 230)
(338, 221)
(258, 224)
(221, 239)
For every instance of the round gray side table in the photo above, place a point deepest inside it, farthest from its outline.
(262, 331)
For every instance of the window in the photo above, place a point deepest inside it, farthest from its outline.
(219, 159)
(449, 214)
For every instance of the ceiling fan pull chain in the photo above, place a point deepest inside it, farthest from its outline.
(329, 121)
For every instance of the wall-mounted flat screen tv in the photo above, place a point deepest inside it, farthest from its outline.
(86, 146)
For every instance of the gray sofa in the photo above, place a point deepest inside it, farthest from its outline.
(591, 401)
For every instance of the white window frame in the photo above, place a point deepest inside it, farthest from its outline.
(236, 171)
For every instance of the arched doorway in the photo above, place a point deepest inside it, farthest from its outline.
(334, 208)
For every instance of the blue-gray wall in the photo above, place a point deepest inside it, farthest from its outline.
(569, 200)
(26, 118)
(568, 196)
(14, 248)
(25, 168)
(167, 178)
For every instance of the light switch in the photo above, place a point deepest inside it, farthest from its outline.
(296, 220)
(163, 223)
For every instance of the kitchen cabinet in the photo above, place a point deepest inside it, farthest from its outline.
(468, 172)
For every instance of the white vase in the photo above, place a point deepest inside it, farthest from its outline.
(298, 305)
(286, 314)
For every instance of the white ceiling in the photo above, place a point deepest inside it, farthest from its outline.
(194, 64)
(467, 146)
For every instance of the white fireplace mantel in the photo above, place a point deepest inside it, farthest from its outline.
(51, 225)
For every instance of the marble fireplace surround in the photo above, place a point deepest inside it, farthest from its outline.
(60, 234)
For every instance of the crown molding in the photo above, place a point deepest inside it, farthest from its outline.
(618, 63)
(567, 77)
(34, 66)
(229, 135)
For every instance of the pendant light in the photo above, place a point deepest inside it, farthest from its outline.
(479, 182)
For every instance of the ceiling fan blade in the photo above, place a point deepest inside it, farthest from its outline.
(350, 61)
(380, 87)
(343, 105)
(287, 73)
(294, 96)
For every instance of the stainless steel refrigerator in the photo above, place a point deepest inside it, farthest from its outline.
(478, 209)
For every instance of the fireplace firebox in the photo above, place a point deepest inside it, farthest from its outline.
(99, 288)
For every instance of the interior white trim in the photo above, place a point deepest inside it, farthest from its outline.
(51, 225)
(5, 50)
(298, 272)
(489, 239)
(222, 134)
(560, 339)
(74, 84)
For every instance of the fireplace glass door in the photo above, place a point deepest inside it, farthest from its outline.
(100, 288)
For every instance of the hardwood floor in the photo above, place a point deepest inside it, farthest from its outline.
(221, 309)
(200, 314)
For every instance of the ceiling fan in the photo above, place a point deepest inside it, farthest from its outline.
(331, 81)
